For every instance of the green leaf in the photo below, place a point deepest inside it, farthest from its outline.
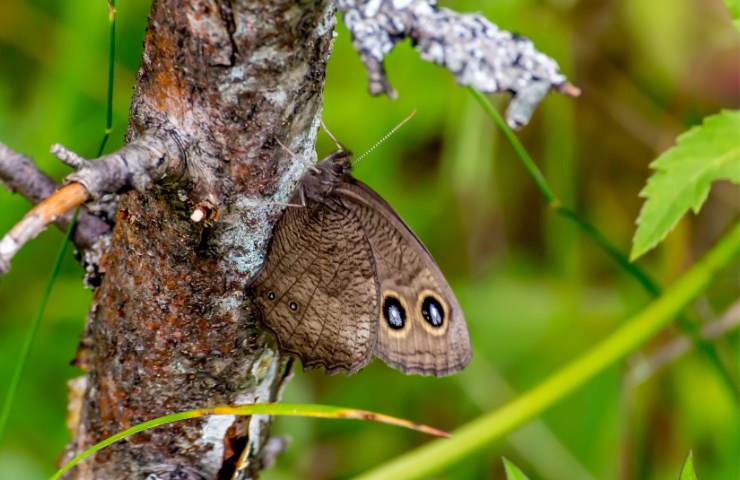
(285, 409)
(684, 174)
(513, 472)
(734, 7)
(687, 472)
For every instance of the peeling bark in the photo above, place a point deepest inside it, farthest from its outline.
(169, 328)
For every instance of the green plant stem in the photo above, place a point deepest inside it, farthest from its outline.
(652, 287)
(689, 327)
(534, 172)
(20, 365)
(437, 455)
(599, 239)
(111, 74)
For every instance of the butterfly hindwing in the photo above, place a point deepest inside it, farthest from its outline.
(421, 328)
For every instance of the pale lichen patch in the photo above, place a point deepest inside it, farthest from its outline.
(476, 51)
(212, 436)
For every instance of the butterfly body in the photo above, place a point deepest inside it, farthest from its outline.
(345, 280)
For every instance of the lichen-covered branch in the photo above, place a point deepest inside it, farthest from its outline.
(20, 174)
(149, 158)
(476, 51)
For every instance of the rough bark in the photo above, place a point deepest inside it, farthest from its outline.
(169, 328)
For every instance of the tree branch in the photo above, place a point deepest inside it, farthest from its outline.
(21, 175)
(476, 51)
(36, 220)
(149, 158)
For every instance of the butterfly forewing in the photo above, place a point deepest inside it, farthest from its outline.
(318, 291)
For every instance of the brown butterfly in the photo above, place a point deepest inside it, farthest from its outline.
(345, 279)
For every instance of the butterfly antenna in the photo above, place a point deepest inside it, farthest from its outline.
(331, 135)
(385, 137)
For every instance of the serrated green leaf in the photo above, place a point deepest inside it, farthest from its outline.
(513, 472)
(734, 7)
(687, 471)
(684, 174)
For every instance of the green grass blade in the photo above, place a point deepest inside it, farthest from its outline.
(279, 409)
(687, 471)
(479, 433)
(20, 365)
(111, 73)
(554, 203)
(599, 239)
(512, 471)
(534, 171)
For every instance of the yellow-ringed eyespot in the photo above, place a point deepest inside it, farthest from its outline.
(395, 314)
(433, 312)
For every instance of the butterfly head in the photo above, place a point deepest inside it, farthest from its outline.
(340, 162)
(322, 179)
(335, 167)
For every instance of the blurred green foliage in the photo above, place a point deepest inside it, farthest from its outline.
(535, 292)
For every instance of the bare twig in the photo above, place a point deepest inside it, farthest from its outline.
(67, 156)
(36, 221)
(21, 175)
(150, 157)
(476, 51)
(678, 347)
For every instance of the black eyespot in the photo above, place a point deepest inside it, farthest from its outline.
(432, 312)
(271, 295)
(293, 306)
(394, 313)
